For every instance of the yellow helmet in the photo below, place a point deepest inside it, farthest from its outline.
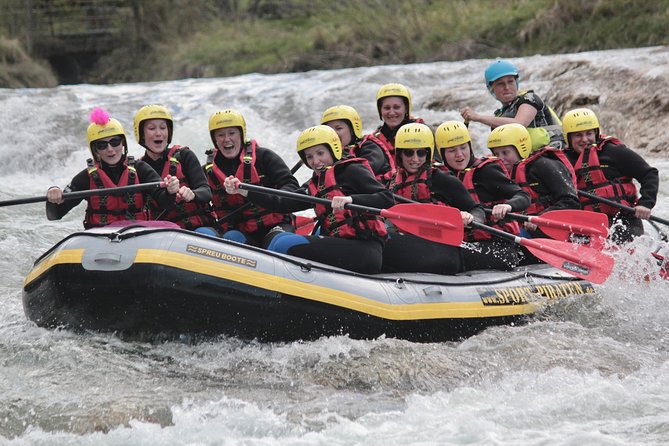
(451, 134)
(346, 113)
(415, 136)
(579, 120)
(515, 135)
(152, 112)
(224, 119)
(320, 134)
(103, 126)
(389, 90)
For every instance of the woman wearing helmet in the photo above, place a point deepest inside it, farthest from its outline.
(393, 102)
(605, 167)
(237, 157)
(524, 107)
(346, 121)
(545, 174)
(111, 167)
(347, 239)
(154, 128)
(417, 180)
(487, 181)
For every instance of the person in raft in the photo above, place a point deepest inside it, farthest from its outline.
(236, 156)
(393, 102)
(418, 180)
(111, 167)
(521, 107)
(546, 174)
(348, 239)
(607, 168)
(488, 182)
(346, 121)
(154, 128)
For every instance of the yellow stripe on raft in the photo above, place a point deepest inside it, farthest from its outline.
(63, 257)
(330, 296)
(229, 271)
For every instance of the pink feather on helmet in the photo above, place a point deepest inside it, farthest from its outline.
(99, 116)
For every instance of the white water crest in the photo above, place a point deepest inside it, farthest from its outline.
(585, 371)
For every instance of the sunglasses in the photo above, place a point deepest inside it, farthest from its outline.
(422, 153)
(102, 145)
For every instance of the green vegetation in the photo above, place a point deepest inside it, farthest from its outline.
(173, 39)
(18, 70)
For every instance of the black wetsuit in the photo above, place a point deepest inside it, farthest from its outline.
(82, 181)
(362, 254)
(617, 160)
(409, 253)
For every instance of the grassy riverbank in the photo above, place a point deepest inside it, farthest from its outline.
(271, 36)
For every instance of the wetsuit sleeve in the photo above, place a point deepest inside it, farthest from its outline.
(554, 181)
(281, 204)
(629, 163)
(196, 177)
(146, 174)
(276, 175)
(79, 183)
(499, 186)
(371, 151)
(358, 182)
(274, 169)
(452, 192)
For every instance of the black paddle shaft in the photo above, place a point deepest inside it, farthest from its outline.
(620, 206)
(247, 205)
(88, 193)
(307, 198)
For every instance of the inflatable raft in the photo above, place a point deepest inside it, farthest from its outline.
(139, 280)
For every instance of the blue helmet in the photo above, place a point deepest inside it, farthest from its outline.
(497, 69)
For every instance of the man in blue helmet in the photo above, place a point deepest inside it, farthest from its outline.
(523, 107)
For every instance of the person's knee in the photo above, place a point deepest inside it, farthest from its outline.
(207, 231)
(235, 236)
(284, 241)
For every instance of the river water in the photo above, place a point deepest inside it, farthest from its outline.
(586, 371)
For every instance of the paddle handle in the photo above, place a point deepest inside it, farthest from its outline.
(621, 206)
(248, 204)
(88, 193)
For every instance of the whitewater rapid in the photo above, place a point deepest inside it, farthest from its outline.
(587, 371)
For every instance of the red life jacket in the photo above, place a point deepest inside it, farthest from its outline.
(591, 179)
(467, 178)
(388, 145)
(254, 218)
(416, 187)
(519, 175)
(344, 223)
(189, 215)
(106, 209)
(381, 177)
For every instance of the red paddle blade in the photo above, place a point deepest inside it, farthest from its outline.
(578, 260)
(304, 225)
(440, 224)
(562, 224)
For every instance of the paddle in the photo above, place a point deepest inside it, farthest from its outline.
(586, 263)
(561, 224)
(248, 204)
(578, 260)
(440, 224)
(304, 225)
(621, 206)
(89, 193)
